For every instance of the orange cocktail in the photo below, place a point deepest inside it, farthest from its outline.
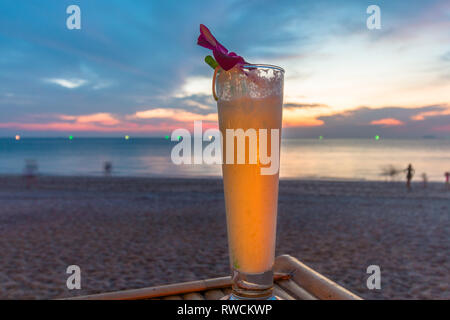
(250, 101)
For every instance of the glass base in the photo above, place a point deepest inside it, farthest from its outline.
(255, 286)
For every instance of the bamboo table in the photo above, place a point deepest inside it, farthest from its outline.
(293, 281)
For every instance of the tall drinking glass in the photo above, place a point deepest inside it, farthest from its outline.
(251, 98)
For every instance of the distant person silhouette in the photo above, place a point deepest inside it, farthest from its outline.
(107, 168)
(447, 178)
(409, 175)
(425, 180)
(30, 172)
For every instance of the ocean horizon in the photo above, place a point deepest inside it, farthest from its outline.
(341, 159)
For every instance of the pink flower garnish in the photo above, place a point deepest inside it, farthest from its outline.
(227, 60)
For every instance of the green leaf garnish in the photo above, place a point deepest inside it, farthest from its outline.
(211, 62)
(235, 264)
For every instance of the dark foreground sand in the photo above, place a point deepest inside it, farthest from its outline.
(129, 233)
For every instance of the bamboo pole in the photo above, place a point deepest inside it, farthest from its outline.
(295, 290)
(167, 290)
(159, 291)
(304, 283)
(312, 281)
(277, 291)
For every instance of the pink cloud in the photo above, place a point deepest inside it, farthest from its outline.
(423, 115)
(89, 127)
(106, 119)
(387, 122)
(175, 114)
(141, 122)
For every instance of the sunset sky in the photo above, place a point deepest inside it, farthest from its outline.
(134, 67)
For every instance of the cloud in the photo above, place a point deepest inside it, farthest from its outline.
(365, 115)
(195, 86)
(67, 83)
(174, 114)
(428, 114)
(196, 104)
(98, 118)
(304, 105)
(361, 122)
(151, 59)
(394, 122)
(83, 127)
(387, 122)
(146, 121)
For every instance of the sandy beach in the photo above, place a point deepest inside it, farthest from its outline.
(129, 233)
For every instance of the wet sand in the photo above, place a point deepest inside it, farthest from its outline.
(129, 233)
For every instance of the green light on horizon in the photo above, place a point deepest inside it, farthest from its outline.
(377, 137)
(70, 137)
(320, 137)
(127, 137)
(168, 138)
